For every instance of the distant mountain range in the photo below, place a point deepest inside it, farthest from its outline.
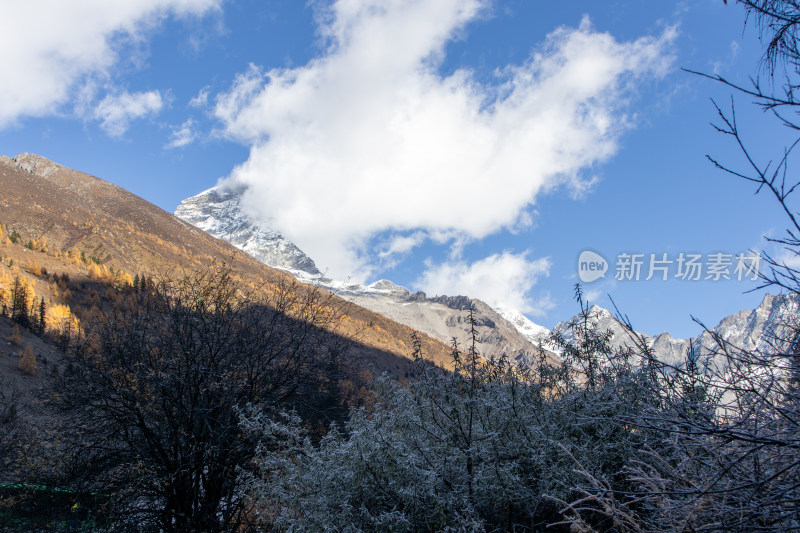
(76, 211)
(766, 329)
(501, 330)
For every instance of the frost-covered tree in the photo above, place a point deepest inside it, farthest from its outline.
(486, 447)
(149, 399)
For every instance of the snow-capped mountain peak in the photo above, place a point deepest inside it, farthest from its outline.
(532, 331)
(765, 328)
(218, 211)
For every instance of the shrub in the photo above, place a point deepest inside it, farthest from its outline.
(149, 399)
(27, 363)
(16, 335)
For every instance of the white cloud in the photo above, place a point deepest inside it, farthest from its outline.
(500, 280)
(369, 137)
(48, 48)
(734, 48)
(593, 295)
(788, 257)
(183, 135)
(116, 112)
(201, 100)
(402, 244)
(389, 252)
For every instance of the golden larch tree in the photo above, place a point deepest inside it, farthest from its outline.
(27, 363)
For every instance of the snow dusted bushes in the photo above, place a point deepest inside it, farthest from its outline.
(608, 441)
(729, 452)
(488, 447)
(720, 442)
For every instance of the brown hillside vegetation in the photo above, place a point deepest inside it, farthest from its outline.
(80, 261)
(74, 239)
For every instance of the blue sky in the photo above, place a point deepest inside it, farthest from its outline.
(455, 146)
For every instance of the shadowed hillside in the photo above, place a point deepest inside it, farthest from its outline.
(56, 220)
(76, 250)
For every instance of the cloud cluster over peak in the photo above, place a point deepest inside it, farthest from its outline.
(503, 280)
(370, 137)
(48, 48)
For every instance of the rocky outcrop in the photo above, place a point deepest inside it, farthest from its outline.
(768, 328)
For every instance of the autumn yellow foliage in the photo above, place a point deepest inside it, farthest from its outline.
(98, 272)
(6, 283)
(27, 363)
(124, 280)
(7, 288)
(58, 317)
(39, 243)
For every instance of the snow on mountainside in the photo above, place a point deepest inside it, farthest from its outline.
(764, 328)
(532, 331)
(218, 212)
(500, 330)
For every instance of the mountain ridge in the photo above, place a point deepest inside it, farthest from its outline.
(759, 329)
(94, 228)
(500, 330)
(116, 229)
(218, 211)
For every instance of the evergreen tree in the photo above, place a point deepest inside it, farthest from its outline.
(42, 316)
(19, 302)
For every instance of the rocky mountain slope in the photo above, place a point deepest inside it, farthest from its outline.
(217, 212)
(444, 317)
(500, 331)
(763, 328)
(65, 221)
